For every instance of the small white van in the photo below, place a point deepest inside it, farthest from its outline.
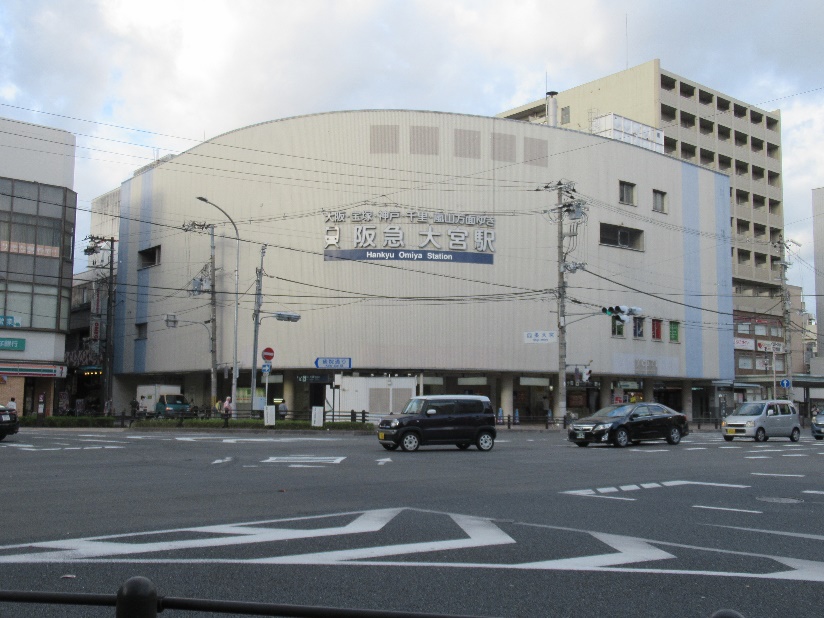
(762, 420)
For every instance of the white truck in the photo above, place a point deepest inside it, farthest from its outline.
(148, 397)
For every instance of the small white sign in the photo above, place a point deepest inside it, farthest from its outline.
(540, 336)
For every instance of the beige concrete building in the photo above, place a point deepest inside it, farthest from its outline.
(713, 130)
(422, 255)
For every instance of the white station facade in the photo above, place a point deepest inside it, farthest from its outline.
(420, 250)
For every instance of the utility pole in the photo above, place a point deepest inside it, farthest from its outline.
(213, 306)
(256, 318)
(575, 210)
(108, 358)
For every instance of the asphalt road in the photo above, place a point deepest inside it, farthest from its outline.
(536, 527)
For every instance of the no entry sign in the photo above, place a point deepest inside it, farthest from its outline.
(268, 354)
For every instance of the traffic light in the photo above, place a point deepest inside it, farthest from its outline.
(587, 374)
(622, 312)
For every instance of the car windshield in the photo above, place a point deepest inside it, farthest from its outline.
(414, 406)
(749, 409)
(178, 399)
(613, 411)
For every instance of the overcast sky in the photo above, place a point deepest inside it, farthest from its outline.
(139, 79)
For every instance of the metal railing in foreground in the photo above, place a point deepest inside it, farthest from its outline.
(138, 598)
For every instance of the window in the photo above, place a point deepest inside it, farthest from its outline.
(148, 257)
(638, 328)
(744, 328)
(624, 237)
(657, 329)
(626, 193)
(141, 331)
(617, 327)
(659, 201)
(761, 329)
(674, 335)
(565, 115)
(776, 331)
(745, 362)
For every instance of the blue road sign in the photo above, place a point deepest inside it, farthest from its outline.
(785, 383)
(266, 368)
(333, 363)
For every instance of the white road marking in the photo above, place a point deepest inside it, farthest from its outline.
(650, 485)
(476, 532)
(759, 457)
(590, 493)
(383, 461)
(304, 459)
(606, 490)
(696, 448)
(720, 508)
(800, 476)
(812, 491)
(796, 455)
(629, 487)
(220, 461)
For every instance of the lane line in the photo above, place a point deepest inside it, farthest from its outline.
(721, 508)
(800, 476)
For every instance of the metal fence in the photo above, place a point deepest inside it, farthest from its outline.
(138, 598)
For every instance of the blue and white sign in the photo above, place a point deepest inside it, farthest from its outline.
(785, 383)
(540, 336)
(333, 363)
(266, 368)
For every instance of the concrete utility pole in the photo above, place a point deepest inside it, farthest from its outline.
(256, 318)
(575, 210)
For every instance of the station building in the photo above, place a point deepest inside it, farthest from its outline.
(420, 250)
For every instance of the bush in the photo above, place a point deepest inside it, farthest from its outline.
(68, 421)
(190, 423)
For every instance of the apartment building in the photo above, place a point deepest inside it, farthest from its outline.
(714, 130)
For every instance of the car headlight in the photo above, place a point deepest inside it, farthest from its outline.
(723, 423)
(750, 423)
(394, 423)
(602, 427)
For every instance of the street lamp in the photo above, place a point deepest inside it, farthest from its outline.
(237, 299)
(282, 316)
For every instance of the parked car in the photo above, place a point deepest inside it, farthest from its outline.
(762, 420)
(9, 423)
(462, 420)
(817, 425)
(630, 423)
(173, 406)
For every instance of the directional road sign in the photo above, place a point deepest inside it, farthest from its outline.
(266, 367)
(333, 363)
(785, 383)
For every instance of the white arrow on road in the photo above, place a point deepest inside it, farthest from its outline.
(219, 461)
(383, 461)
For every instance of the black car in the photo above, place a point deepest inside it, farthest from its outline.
(622, 424)
(462, 420)
(8, 422)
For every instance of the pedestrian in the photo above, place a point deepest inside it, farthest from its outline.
(227, 411)
(12, 405)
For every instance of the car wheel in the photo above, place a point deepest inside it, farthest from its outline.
(621, 438)
(674, 436)
(463, 445)
(795, 436)
(582, 443)
(728, 438)
(390, 447)
(760, 435)
(485, 441)
(410, 441)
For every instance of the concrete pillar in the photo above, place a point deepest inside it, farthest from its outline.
(289, 390)
(686, 398)
(605, 393)
(649, 390)
(507, 394)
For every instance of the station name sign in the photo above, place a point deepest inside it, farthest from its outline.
(387, 234)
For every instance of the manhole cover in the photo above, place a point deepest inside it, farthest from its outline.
(781, 500)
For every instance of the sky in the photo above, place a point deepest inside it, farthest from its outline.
(136, 80)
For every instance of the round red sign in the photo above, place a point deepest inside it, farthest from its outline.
(268, 354)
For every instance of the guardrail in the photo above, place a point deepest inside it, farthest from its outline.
(138, 598)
